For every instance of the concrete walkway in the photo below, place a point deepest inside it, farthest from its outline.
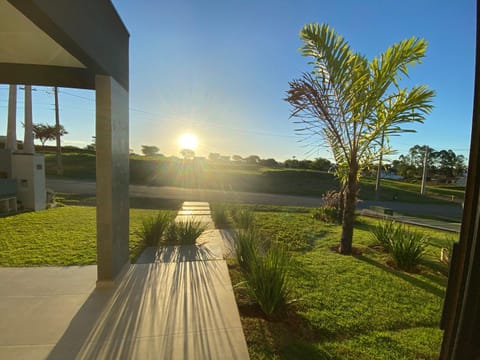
(443, 225)
(173, 304)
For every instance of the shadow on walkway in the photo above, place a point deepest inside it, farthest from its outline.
(170, 310)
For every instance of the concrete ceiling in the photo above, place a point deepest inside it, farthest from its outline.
(22, 42)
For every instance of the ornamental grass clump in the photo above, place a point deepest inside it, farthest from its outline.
(247, 247)
(154, 227)
(244, 219)
(407, 248)
(265, 267)
(384, 232)
(184, 232)
(219, 215)
(267, 280)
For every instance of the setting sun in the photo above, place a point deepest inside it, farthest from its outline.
(188, 141)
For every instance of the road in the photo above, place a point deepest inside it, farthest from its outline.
(170, 192)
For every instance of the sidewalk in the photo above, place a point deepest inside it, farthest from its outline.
(174, 304)
(444, 225)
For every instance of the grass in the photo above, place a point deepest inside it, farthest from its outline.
(60, 236)
(349, 307)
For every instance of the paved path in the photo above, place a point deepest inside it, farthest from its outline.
(173, 304)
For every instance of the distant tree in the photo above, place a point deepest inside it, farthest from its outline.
(149, 150)
(214, 156)
(252, 159)
(45, 132)
(449, 164)
(443, 163)
(93, 145)
(237, 158)
(321, 164)
(291, 163)
(268, 162)
(187, 153)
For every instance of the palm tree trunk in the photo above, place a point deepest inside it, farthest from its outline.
(349, 211)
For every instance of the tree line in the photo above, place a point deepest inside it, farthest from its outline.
(444, 165)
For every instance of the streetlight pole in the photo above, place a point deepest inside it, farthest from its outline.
(379, 170)
(57, 135)
(425, 171)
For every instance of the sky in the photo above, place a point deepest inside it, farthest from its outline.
(220, 69)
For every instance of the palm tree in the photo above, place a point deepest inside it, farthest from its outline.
(350, 101)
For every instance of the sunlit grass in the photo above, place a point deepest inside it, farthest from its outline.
(59, 236)
(348, 307)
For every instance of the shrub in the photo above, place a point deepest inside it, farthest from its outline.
(407, 248)
(219, 215)
(331, 210)
(326, 214)
(153, 228)
(267, 280)
(185, 232)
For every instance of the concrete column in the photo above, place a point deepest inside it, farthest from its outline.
(11, 143)
(112, 180)
(28, 147)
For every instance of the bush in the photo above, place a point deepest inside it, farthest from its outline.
(331, 211)
(407, 248)
(185, 232)
(326, 214)
(219, 215)
(267, 280)
(153, 228)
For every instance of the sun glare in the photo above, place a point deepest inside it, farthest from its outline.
(188, 141)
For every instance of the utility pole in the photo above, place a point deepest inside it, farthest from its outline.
(425, 171)
(379, 170)
(28, 145)
(57, 135)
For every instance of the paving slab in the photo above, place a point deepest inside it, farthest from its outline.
(194, 212)
(201, 207)
(195, 204)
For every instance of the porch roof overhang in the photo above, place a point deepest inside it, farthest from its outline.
(62, 43)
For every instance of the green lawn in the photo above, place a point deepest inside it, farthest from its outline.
(59, 236)
(347, 307)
